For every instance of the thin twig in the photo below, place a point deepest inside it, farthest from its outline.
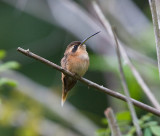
(125, 87)
(89, 83)
(153, 8)
(136, 74)
(115, 131)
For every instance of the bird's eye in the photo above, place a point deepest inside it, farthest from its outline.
(75, 48)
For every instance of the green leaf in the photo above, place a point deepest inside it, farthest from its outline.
(2, 54)
(144, 118)
(123, 116)
(151, 123)
(104, 121)
(147, 132)
(129, 135)
(102, 132)
(9, 82)
(9, 65)
(155, 130)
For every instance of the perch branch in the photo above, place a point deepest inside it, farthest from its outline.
(89, 83)
(153, 8)
(125, 87)
(112, 122)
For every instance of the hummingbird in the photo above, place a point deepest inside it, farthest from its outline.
(75, 60)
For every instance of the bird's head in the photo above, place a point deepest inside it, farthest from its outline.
(78, 46)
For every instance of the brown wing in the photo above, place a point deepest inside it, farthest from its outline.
(67, 82)
(67, 85)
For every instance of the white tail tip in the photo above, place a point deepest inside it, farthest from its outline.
(62, 102)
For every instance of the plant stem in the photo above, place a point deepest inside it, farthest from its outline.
(154, 11)
(112, 122)
(125, 87)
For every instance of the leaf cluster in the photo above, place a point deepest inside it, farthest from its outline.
(7, 66)
(149, 126)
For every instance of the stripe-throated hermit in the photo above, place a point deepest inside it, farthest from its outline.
(75, 60)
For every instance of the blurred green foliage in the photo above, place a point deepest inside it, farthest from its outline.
(16, 106)
(19, 115)
(7, 66)
(149, 126)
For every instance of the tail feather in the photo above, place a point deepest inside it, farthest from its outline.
(64, 97)
(67, 85)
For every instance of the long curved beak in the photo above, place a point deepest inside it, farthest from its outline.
(83, 42)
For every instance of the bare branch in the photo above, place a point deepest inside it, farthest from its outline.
(136, 74)
(112, 122)
(125, 87)
(89, 83)
(153, 8)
